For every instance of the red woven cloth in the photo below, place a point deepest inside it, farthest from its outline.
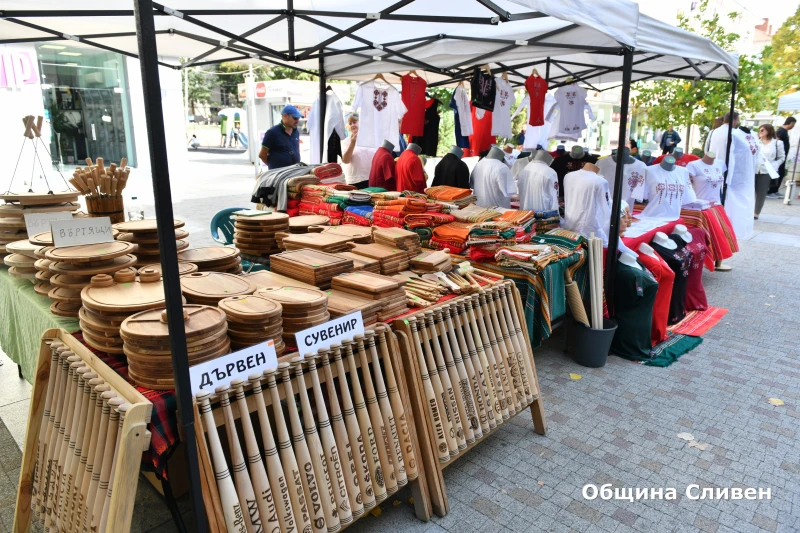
(355, 220)
(331, 170)
(427, 220)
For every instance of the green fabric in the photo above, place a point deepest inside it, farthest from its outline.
(669, 351)
(341, 201)
(27, 318)
(373, 190)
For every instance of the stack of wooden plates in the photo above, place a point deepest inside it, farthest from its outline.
(255, 235)
(397, 238)
(214, 259)
(108, 301)
(302, 308)
(208, 288)
(16, 206)
(302, 223)
(253, 320)
(74, 266)
(46, 239)
(41, 199)
(376, 287)
(11, 230)
(342, 303)
(359, 234)
(43, 273)
(437, 261)
(324, 242)
(310, 266)
(264, 279)
(145, 234)
(362, 262)
(393, 260)
(184, 267)
(21, 260)
(146, 343)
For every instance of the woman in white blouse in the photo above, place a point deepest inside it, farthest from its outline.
(772, 154)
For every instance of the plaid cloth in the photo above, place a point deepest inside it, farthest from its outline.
(427, 220)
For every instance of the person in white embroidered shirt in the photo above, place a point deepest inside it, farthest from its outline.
(491, 180)
(587, 203)
(538, 184)
(357, 160)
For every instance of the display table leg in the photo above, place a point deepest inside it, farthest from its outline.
(537, 412)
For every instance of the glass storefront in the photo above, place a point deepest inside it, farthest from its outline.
(85, 98)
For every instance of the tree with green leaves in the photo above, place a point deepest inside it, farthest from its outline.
(199, 88)
(783, 56)
(686, 102)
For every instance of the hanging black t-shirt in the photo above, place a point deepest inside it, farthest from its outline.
(452, 171)
(334, 148)
(483, 89)
(429, 141)
(678, 261)
(634, 296)
(565, 164)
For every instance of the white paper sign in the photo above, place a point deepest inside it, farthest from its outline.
(40, 222)
(221, 371)
(322, 336)
(80, 231)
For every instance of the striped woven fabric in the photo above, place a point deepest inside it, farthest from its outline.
(388, 195)
(427, 220)
(715, 224)
(445, 192)
(360, 210)
(416, 203)
(414, 194)
(355, 219)
(329, 170)
(474, 213)
(387, 218)
(455, 247)
(515, 216)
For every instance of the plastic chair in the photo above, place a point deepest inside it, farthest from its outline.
(222, 232)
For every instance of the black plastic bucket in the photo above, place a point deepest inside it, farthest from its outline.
(591, 346)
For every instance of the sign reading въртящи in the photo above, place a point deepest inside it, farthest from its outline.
(223, 370)
(322, 336)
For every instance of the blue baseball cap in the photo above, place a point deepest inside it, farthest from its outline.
(291, 110)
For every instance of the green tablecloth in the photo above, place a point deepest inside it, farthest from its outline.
(26, 315)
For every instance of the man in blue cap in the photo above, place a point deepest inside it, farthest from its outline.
(281, 145)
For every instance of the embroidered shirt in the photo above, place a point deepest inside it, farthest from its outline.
(632, 178)
(707, 179)
(501, 116)
(381, 109)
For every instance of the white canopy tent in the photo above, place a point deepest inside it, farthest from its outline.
(789, 102)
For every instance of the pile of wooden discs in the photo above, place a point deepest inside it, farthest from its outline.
(214, 259)
(302, 223)
(252, 320)
(397, 238)
(145, 338)
(16, 206)
(310, 266)
(21, 260)
(388, 291)
(144, 233)
(208, 288)
(184, 267)
(302, 308)
(108, 301)
(43, 272)
(255, 235)
(392, 260)
(74, 266)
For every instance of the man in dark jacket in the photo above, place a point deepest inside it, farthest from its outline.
(783, 135)
(669, 140)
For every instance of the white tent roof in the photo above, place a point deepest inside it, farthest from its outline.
(583, 38)
(789, 102)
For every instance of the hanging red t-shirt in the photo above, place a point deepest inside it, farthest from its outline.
(537, 90)
(382, 173)
(682, 162)
(413, 96)
(665, 277)
(410, 173)
(481, 138)
(695, 293)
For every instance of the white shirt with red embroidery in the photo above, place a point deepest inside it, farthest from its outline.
(380, 110)
(707, 179)
(538, 187)
(587, 204)
(464, 113)
(632, 178)
(740, 199)
(570, 104)
(666, 191)
(501, 115)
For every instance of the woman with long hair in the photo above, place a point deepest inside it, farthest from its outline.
(772, 154)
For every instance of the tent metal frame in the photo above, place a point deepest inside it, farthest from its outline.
(144, 13)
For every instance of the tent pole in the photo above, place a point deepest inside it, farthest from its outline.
(290, 26)
(323, 104)
(728, 144)
(154, 116)
(616, 204)
(547, 71)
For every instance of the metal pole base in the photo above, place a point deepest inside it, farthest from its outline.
(787, 199)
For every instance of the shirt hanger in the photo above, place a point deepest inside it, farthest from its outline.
(487, 69)
(505, 76)
(414, 73)
(380, 76)
(535, 73)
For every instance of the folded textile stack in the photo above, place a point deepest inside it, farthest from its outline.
(385, 218)
(359, 198)
(270, 187)
(524, 222)
(453, 236)
(405, 205)
(397, 238)
(314, 201)
(388, 291)
(561, 238)
(385, 195)
(453, 195)
(425, 234)
(427, 220)
(294, 186)
(329, 173)
(358, 215)
(488, 233)
(530, 256)
(474, 213)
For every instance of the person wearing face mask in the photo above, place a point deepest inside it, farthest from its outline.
(772, 157)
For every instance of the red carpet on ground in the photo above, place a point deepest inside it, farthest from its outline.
(697, 323)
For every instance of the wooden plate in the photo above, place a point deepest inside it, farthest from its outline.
(267, 218)
(40, 198)
(99, 336)
(43, 276)
(316, 318)
(145, 226)
(105, 318)
(42, 288)
(250, 308)
(14, 272)
(66, 281)
(23, 247)
(15, 210)
(223, 267)
(124, 297)
(91, 252)
(184, 267)
(199, 320)
(99, 346)
(106, 328)
(42, 265)
(80, 269)
(46, 239)
(304, 221)
(65, 309)
(70, 296)
(202, 347)
(41, 252)
(209, 256)
(152, 249)
(19, 260)
(149, 238)
(294, 298)
(215, 285)
(12, 223)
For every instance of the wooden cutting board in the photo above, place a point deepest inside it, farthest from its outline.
(23, 247)
(184, 267)
(40, 198)
(65, 281)
(215, 285)
(64, 309)
(343, 303)
(317, 241)
(266, 218)
(143, 226)
(72, 296)
(41, 252)
(265, 279)
(147, 325)
(149, 238)
(42, 288)
(12, 223)
(253, 308)
(366, 282)
(209, 256)
(81, 269)
(153, 249)
(91, 252)
(294, 299)
(378, 251)
(19, 260)
(15, 210)
(129, 297)
(43, 276)
(301, 223)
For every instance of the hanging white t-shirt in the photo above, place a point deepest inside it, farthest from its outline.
(740, 200)
(492, 184)
(538, 187)
(464, 116)
(666, 191)
(707, 179)
(334, 122)
(571, 104)
(357, 170)
(501, 115)
(632, 178)
(539, 135)
(587, 204)
(381, 109)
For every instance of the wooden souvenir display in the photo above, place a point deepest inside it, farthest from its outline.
(393, 260)
(20, 261)
(87, 429)
(265, 279)
(214, 259)
(302, 308)
(208, 288)
(362, 262)
(301, 223)
(342, 303)
(310, 266)
(256, 235)
(469, 368)
(103, 188)
(184, 267)
(324, 242)
(433, 261)
(359, 234)
(108, 301)
(388, 291)
(253, 320)
(397, 238)
(25, 199)
(331, 465)
(146, 343)
(144, 233)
